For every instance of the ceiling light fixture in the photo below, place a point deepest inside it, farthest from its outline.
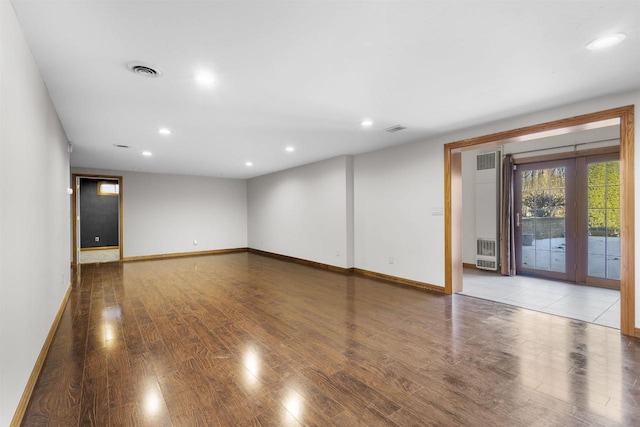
(290, 149)
(606, 41)
(204, 78)
(146, 153)
(249, 164)
(366, 123)
(164, 131)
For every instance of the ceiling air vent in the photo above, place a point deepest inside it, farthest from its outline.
(396, 128)
(144, 69)
(121, 146)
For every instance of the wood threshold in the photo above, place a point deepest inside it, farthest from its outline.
(470, 266)
(37, 368)
(100, 248)
(184, 254)
(452, 189)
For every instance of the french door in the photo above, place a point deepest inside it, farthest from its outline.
(567, 219)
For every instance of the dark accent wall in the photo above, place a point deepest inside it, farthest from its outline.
(98, 216)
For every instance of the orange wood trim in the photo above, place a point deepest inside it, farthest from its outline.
(555, 127)
(470, 266)
(184, 254)
(627, 225)
(453, 221)
(100, 248)
(35, 373)
(301, 261)
(625, 115)
(567, 155)
(399, 280)
(359, 271)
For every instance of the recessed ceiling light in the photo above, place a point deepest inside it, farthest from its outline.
(366, 123)
(249, 164)
(146, 153)
(164, 131)
(606, 41)
(290, 149)
(204, 78)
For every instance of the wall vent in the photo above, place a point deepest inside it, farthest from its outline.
(486, 161)
(396, 128)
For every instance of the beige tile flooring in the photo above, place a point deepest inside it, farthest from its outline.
(106, 255)
(587, 303)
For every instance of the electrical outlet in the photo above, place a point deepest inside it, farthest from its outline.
(97, 238)
(392, 260)
(337, 253)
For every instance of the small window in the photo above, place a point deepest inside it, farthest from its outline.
(108, 188)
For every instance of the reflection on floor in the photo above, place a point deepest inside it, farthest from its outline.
(590, 304)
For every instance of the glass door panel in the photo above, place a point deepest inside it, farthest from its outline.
(542, 202)
(603, 212)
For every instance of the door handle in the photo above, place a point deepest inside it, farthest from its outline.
(518, 219)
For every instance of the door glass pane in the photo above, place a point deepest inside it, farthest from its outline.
(543, 219)
(604, 220)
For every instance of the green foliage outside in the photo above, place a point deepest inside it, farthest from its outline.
(543, 196)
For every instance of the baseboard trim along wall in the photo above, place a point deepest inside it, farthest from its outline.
(400, 281)
(301, 261)
(358, 271)
(469, 265)
(35, 373)
(184, 254)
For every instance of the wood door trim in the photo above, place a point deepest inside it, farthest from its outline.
(452, 185)
(74, 208)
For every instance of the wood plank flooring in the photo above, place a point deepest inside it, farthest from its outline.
(245, 340)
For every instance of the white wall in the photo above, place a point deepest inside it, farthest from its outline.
(395, 191)
(164, 214)
(303, 212)
(34, 213)
(395, 188)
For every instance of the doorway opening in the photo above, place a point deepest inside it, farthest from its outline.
(623, 117)
(97, 214)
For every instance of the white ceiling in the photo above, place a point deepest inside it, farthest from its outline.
(306, 73)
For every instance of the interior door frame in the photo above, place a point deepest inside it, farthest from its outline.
(624, 116)
(570, 222)
(74, 201)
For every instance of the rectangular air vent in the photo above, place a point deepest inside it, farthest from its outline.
(395, 128)
(486, 161)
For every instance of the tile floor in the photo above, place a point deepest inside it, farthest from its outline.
(590, 304)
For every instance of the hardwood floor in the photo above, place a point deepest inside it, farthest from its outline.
(246, 340)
